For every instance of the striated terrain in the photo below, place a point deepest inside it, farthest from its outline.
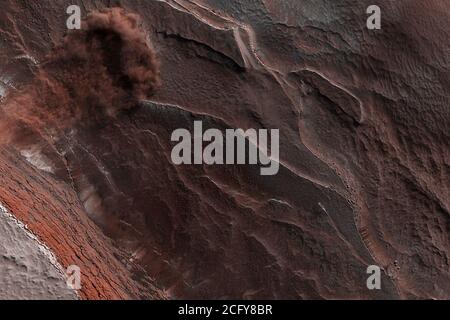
(86, 119)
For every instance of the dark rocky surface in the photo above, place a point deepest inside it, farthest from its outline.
(364, 150)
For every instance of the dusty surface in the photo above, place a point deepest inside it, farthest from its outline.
(364, 130)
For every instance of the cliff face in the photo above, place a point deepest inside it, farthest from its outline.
(364, 146)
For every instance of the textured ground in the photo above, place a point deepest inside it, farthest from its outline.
(28, 270)
(364, 126)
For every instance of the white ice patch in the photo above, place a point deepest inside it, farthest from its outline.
(92, 202)
(37, 159)
(2, 91)
(280, 202)
(27, 57)
(7, 81)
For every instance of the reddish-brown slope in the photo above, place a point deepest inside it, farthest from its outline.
(51, 210)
